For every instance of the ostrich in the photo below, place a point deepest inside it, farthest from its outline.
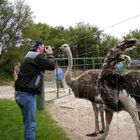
(119, 92)
(86, 87)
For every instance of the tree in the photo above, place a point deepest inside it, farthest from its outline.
(13, 19)
(84, 38)
(106, 42)
(135, 34)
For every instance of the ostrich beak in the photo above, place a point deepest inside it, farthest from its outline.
(60, 48)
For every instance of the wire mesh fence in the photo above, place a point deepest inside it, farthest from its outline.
(50, 86)
(51, 90)
(80, 65)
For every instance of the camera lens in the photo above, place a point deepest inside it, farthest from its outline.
(46, 47)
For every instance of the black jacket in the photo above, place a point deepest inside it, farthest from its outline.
(30, 77)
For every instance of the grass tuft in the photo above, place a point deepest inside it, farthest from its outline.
(11, 127)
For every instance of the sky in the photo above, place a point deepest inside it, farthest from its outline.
(107, 15)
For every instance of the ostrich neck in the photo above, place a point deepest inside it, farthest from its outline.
(68, 74)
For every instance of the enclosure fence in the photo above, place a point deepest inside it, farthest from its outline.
(80, 65)
(51, 91)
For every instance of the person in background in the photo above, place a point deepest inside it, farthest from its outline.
(29, 84)
(16, 70)
(58, 73)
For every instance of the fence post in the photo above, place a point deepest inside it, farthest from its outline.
(75, 68)
(57, 82)
(41, 99)
(57, 86)
(93, 63)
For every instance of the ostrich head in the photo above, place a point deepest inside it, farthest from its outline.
(127, 59)
(65, 48)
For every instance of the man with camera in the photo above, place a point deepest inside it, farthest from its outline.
(29, 84)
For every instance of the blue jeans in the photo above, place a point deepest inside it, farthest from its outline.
(27, 104)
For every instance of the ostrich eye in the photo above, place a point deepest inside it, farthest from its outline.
(65, 46)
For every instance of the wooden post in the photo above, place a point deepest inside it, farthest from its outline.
(41, 99)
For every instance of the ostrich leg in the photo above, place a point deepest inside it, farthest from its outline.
(130, 106)
(101, 109)
(134, 115)
(96, 112)
(109, 116)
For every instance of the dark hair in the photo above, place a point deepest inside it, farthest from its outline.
(35, 45)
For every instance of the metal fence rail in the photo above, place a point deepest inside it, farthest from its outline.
(79, 66)
(52, 92)
(50, 89)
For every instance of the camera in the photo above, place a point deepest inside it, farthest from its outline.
(46, 47)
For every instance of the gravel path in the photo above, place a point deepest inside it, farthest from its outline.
(77, 118)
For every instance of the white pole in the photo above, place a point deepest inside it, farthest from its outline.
(0, 49)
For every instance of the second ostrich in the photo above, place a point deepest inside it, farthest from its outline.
(85, 87)
(120, 92)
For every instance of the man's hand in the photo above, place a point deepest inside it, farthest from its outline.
(48, 50)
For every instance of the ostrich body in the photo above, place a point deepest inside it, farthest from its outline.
(85, 87)
(120, 92)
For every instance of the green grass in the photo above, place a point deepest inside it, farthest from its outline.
(11, 124)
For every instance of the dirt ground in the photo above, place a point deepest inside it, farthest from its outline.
(77, 118)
